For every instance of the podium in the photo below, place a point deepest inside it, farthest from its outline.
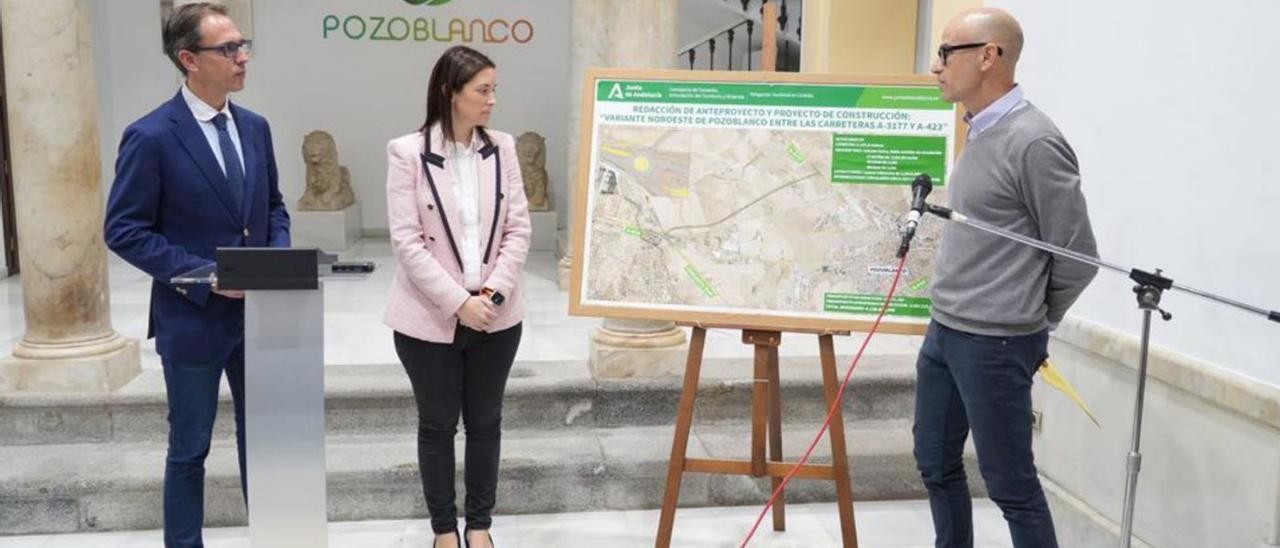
(284, 384)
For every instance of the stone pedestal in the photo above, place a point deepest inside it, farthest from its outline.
(69, 344)
(623, 349)
(544, 231)
(327, 230)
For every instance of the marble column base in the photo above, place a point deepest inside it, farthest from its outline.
(73, 372)
(625, 349)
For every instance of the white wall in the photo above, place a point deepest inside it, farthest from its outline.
(1169, 108)
(364, 92)
(1210, 445)
(132, 74)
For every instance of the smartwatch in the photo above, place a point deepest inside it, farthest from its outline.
(494, 296)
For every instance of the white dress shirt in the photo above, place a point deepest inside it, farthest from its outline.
(466, 190)
(204, 115)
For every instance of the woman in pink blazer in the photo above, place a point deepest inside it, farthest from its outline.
(460, 230)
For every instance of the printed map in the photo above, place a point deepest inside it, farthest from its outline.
(740, 220)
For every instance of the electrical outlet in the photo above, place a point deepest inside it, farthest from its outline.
(1037, 420)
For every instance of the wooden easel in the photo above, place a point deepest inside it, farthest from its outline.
(765, 409)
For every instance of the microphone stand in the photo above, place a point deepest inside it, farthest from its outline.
(1151, 287)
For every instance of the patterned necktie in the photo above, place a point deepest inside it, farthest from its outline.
(230, 160)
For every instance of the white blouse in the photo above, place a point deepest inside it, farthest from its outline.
(466, 190)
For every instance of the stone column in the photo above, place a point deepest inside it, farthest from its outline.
(621, 34)
(69, 344)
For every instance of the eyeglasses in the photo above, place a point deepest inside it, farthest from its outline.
(229, 49)
(945, 50)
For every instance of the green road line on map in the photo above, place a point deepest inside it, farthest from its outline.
(702, 282)
(795, 153)
(748, 205)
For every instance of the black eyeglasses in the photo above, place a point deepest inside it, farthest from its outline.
(229, 49)
(945, 50)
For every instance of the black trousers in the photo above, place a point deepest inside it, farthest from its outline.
(466, 377)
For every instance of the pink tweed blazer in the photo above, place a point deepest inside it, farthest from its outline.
(426, 230)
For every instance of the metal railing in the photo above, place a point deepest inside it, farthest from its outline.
(788, 44)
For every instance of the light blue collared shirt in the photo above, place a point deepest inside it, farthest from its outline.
(204, 115)
(994, 112)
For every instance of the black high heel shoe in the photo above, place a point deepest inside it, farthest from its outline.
(455, 535)
(467, 538)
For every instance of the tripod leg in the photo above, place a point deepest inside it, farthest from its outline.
(1134, 461)
(775, 438)
(759, 410)
(839, 454)
(680, 444)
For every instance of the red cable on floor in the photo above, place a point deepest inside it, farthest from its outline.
(839, 399)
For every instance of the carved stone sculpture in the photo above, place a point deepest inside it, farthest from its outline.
(531, 149)
(328, 183)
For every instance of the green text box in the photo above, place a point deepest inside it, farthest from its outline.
(887, 159)
(856, 303)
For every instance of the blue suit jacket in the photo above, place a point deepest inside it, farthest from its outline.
(170, 208)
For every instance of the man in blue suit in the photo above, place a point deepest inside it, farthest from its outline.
(193, 175)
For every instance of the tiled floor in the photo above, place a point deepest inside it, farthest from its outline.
(880, 525)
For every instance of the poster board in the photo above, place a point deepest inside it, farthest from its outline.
(756, 199)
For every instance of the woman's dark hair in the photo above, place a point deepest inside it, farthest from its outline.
(454, 69)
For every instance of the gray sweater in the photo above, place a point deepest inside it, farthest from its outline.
(1020, 175)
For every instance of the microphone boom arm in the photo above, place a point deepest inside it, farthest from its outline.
(1140, 276)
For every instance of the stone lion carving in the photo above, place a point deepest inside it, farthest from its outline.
(531, 149)
(328, 183)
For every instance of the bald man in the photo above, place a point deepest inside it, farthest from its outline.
(995, 301)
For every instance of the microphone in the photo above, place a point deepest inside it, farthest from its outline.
(920, 189)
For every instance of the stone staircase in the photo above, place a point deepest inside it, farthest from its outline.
(571, 443)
